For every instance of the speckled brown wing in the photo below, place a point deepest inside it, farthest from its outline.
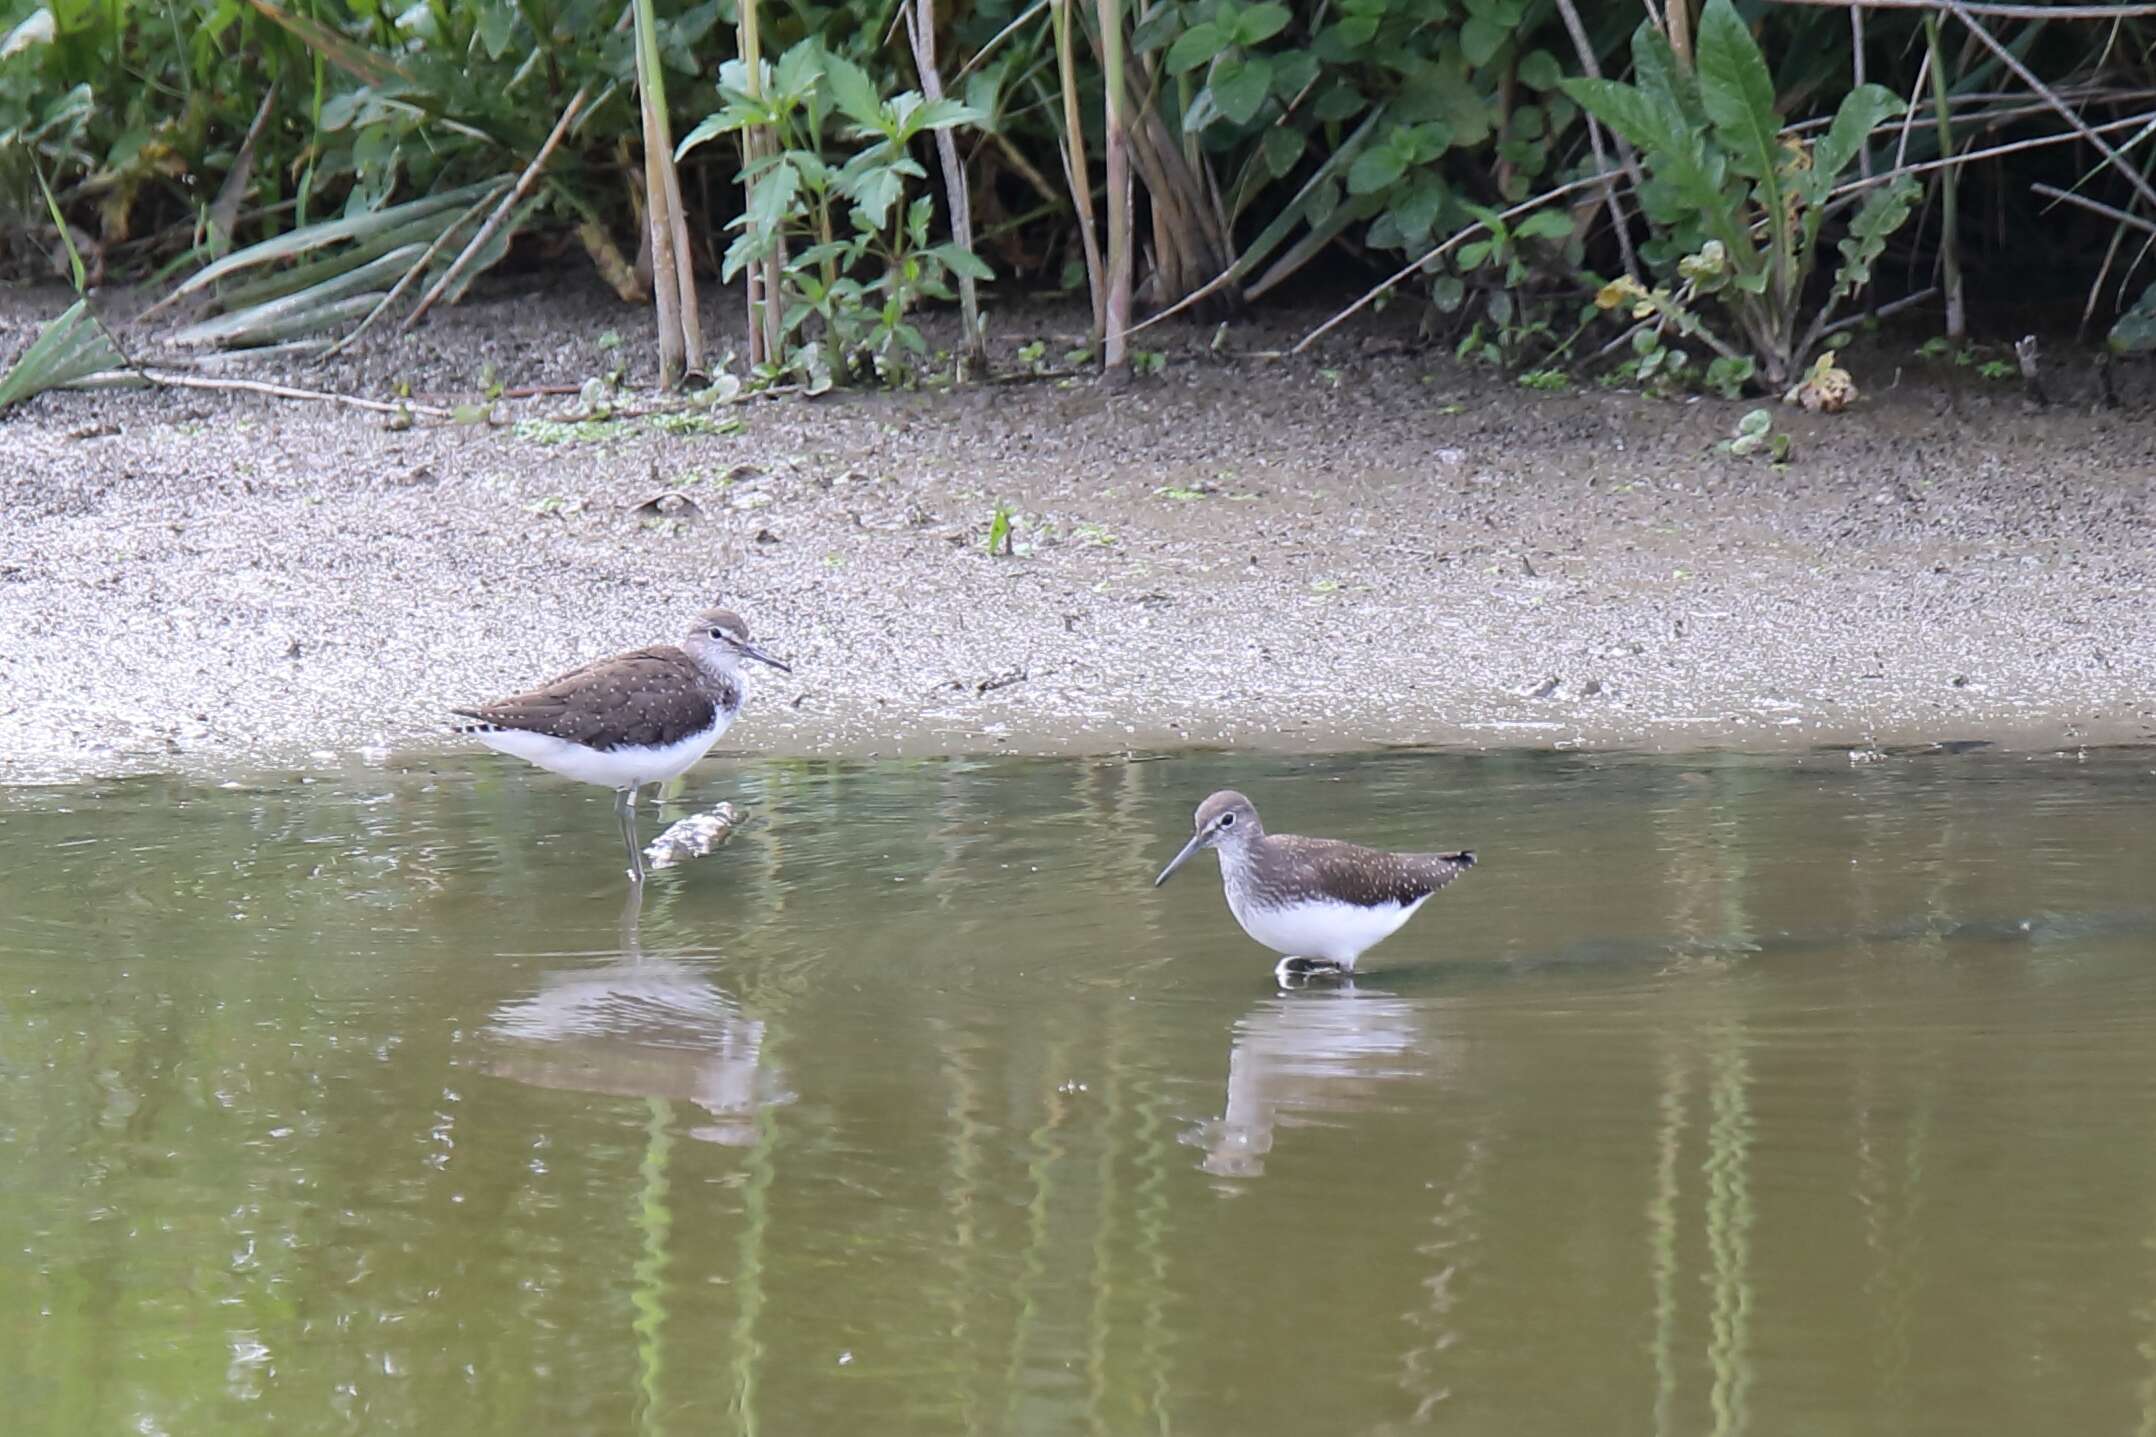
(647, 698)
(1366, 876)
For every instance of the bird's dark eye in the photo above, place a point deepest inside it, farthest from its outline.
(1226, 819)
(718, 633)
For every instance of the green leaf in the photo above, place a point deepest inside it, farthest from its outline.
(738, 256)
(1194, 47)
(960, 260)
(1339, 101)
(771, 198)
(1884, 210)
(1293, 70)
(1480, 39)
(1240, 85)
(873, 192)
(941, 115)
(38, 28)
(1739, 96)
(1374, 169)
(1260, 23)
(71, 347)
(799, 68)
(1659, 75)
(1416, 206)
(1539, 70)
(497, 22)
(854, 92)
(2135, 331)
(1280, 149)
(1674, 151)
(1545, 224)
(1862, 110)
(709, 127)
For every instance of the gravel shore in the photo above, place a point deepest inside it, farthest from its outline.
(1369, 546)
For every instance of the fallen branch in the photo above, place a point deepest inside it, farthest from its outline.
(165, 379)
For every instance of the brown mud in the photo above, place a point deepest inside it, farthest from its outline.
(1369, 545)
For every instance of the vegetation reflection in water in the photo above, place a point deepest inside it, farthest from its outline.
(1734, 1095)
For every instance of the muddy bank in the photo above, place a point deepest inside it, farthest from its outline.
(1368, 546)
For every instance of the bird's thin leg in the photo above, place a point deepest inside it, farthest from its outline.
(625, 810)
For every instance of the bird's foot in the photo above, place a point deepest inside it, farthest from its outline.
(1291, 971)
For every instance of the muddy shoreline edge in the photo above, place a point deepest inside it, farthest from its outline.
(1375, 548)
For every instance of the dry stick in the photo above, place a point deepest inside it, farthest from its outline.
(2035, 142)
(405, 281)
(1114, 357)
(1678, 14)
(1960, 11)
(502, 211)
(1441, 250)
(666, 294)
(2122, 216)
(1957, 323)
(923, 34)
(2003, 12)
(748, 44)
(166, 380)
(2103, 272)
(690, 323)
(1592, 67)
(999, 37)
(224, 210)
(1885, 311)
(1074, 166)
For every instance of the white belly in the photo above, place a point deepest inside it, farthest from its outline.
(618, 768)
(1323, 928)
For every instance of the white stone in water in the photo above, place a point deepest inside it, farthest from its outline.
(692, 837)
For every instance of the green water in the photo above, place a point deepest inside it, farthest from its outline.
(1726, 1096)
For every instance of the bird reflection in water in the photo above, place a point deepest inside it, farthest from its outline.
(641, 1027)
(1303, 1058)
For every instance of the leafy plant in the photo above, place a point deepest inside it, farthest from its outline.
(859, 256)
(1755, 432)
(1736, 202)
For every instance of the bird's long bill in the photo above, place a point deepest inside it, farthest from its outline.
(750, 651)
(1196, 839)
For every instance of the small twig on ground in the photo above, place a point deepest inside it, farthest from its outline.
(164, 379)
(538, 391)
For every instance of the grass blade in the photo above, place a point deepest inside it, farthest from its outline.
(71, 347)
